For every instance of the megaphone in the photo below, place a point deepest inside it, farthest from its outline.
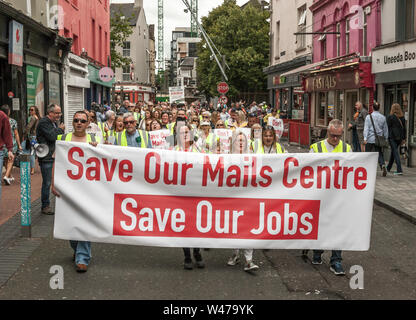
(41, 150)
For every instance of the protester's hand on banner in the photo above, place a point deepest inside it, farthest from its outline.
(94, 144)
(55, 192)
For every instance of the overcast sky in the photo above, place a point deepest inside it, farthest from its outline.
(174, 16)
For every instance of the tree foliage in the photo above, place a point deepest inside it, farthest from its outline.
(242, 35)
(120, 31)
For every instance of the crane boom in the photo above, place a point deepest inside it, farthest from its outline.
(161, 29)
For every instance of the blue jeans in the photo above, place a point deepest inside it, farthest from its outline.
(394, 155)
(46, 170)
(82, 250)
(356, 147)
(335, 257)
(371, 147)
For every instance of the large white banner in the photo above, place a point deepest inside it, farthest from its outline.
(166, 198)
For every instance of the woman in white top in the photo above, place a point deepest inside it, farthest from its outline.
(240, 145)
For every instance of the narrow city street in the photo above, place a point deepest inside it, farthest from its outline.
(120, 272)
(145, 126)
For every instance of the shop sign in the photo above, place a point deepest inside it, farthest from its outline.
(16, 43)
(333, 81)
(35, 87)
(276, 80)
(399, 57)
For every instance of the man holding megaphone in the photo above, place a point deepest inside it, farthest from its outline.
(46, 134)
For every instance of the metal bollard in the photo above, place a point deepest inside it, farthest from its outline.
(25, 196)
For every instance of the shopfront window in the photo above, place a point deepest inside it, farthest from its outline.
(331, 107)
(285, 99)
(298, 112)
(54, 88)
(322, 107)
(403, 100)
(339, 105)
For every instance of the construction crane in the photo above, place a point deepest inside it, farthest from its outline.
(194, 19)
(161, 38)
(194, 30)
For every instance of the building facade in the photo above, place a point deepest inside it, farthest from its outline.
(32, 58)
(182, 64)
(345, 34)
(394, 65)
(140, 48)
(87, 23)
(289, 53)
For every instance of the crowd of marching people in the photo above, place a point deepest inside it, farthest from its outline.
(211, 129)
(197, 127)
(180, 127)
(200, 128)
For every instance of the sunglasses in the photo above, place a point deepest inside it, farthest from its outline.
(129, 122)
(335, 136)
(80, 121)
(31, 110)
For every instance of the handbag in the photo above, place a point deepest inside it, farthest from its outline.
(16, 161)
(381, 141)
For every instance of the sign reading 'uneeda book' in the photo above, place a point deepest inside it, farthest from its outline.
(178, 199)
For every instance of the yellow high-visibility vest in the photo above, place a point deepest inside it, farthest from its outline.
(68, 137)
(121, 139)
(320, 147)
(259, 148)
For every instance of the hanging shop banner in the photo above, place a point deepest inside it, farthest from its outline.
(15, 43)
(178, 199)
(35, 87)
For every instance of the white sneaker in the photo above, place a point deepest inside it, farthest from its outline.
(8, 181)
(250, 266)
(233, 260)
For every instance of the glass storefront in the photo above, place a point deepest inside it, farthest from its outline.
(337, 104)
(54, 88)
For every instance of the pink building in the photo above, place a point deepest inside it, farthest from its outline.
(345, 33)
(88, 24)
(357, 21)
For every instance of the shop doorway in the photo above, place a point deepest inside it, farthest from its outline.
(5, 82)
(351, 98)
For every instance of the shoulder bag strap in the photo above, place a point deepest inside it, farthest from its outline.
(375, 132)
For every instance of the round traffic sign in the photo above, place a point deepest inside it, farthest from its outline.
(10, 95)
(223, 88)
(106, 74)
(223, 100)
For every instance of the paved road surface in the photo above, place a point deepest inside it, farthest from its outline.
(123, 272)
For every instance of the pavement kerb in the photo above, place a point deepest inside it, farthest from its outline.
(395, 209)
